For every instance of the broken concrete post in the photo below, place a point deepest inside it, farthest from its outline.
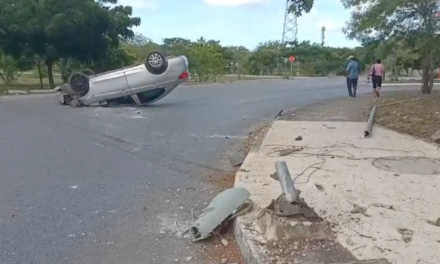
(289, 191)
(369, 127)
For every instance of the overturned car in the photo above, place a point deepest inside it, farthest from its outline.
(137, 85)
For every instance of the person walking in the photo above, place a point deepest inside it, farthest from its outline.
(352, 72)
(377, 73)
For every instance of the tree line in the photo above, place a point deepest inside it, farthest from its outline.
(405, 32)
(70, 35)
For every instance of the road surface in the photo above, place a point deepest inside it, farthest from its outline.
(106, 185)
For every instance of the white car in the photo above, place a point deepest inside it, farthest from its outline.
(139, 84)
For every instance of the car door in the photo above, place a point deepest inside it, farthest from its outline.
(110, 85)
(138, 79)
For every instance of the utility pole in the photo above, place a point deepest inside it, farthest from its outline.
(290, 28)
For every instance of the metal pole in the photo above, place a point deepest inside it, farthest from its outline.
(369, 127)
(291, 68)
(297, 69)
(289, 191)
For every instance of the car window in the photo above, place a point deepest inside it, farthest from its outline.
(126, 100)
(150, 95)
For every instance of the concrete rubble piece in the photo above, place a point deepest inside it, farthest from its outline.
(345, 199)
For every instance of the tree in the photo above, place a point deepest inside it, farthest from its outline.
(116, 58)
(207, 60)
(413, 23)
(8, 68)
(298, 7)
(396, 56)
(83, 30)
(322, 36)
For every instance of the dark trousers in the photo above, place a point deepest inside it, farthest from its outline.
(352, 86)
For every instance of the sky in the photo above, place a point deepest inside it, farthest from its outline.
(237, 22)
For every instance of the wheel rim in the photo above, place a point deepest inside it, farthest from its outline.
(78, 82)
(155, 60)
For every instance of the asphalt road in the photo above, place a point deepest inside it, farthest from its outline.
(106, 185)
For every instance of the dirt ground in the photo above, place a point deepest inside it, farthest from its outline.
(407, 112)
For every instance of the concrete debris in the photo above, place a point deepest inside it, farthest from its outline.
(236, 159)
(188, 259)
(225, 242)
(406, 235)
(299, 138)
(436, 137)
(274, 176)
(279, 113)
(224, 260)
(176, 260)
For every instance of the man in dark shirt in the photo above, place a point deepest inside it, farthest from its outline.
(352, 72)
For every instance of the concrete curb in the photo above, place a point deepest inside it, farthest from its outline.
(249, 248)
(404, 84)
(18, 92)
(399, 84)
(216, 83)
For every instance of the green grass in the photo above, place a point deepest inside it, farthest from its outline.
(234, 78)
(28, 82)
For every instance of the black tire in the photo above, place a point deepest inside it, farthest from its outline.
(156, 62)
(79, 82)
(88, 72)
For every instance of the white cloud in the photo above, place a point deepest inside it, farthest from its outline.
(140, 4)
(234, 2)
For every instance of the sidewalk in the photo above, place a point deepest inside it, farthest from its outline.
(378, 198)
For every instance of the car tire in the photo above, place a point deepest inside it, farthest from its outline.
(156, 62)
(79, 82)
(88, 72)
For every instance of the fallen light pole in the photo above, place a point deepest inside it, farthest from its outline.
(289, 191)
(289, 202)
(369, 127)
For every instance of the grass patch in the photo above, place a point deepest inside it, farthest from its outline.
(28, 82)
(234, 78)
(407, 114)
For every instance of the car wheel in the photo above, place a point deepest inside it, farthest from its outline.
(79, 82)
(156, 62)
(88, 72)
